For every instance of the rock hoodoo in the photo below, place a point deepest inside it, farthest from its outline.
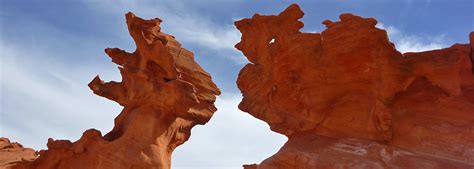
(346, 98)
(164, 93)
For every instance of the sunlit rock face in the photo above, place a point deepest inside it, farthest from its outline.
(164, 93)
(12, 153)
(346, 98)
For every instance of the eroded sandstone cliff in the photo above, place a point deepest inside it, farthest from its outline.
(12, 153)
(164, 93)
(346, 98)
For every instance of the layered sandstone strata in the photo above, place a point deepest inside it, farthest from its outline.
(346, 98)
(164, 93)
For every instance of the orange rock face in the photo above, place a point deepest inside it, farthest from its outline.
(14, 153)
(346, 98)
(164, 93)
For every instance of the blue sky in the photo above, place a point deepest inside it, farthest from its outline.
(50, 50)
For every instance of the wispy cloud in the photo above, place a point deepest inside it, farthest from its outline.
(183, 22)
(230, 139)
(205, 33)
(42, 99)
(413, 43)
(405, 42)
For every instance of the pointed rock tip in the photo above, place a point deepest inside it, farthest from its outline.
(293, 11)
(471, 38)
(349, 16)
(327, 22)
(92, 133)
(97, 79)
(93, 85)
(471, 41)
(129, 15)
(108, 50)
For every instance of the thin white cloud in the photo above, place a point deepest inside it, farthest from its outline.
(416, 44)
(231, 138)
(412, 43)
(200, 32)
(42, 99)
(181, 21)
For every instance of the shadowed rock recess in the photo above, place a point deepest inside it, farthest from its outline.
(346, 98)
(164, 93)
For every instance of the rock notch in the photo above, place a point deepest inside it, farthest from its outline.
(164, 93)
(346, 98)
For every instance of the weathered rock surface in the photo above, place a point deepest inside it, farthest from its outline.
(14, 153)
(346, 98)
(164, 93)
(310, 151)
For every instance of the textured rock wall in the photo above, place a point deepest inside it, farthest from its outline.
(12, 153)
(164, 93)
(347, 98)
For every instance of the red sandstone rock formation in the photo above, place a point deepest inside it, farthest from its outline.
(164, 93)
(346, 98)
(14, 153)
